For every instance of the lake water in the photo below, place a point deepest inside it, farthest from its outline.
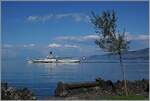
(42, 78)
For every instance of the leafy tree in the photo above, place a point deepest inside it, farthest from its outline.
(110, 40)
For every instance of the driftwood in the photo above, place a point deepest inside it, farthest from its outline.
(63, 88)
(81, 85)
(104, 86)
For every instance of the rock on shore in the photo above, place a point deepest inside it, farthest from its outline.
(103, 89)
(11, 93)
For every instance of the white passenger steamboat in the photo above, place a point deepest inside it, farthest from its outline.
(51, 59)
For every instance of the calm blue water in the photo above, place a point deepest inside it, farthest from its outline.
(42, 78)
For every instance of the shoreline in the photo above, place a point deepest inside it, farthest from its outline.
(98, 90)
(102, 90)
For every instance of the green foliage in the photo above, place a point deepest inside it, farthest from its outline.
(109, 39)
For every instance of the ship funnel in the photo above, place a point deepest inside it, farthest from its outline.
(50, 52)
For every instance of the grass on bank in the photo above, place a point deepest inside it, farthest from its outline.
(130, 97)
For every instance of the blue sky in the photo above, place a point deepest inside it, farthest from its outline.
(35, 28)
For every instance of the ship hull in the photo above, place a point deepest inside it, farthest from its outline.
(54, 61)
(68, 61)
(44, 61)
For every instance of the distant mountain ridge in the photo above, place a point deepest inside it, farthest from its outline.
(129, 55)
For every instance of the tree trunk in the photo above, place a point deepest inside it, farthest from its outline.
(124, 76)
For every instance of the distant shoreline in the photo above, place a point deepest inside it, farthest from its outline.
(114, 61)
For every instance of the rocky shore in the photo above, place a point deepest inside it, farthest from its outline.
(102, 89)
(11, 93)
(96, 90)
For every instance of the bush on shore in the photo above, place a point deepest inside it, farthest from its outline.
(11, 93)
